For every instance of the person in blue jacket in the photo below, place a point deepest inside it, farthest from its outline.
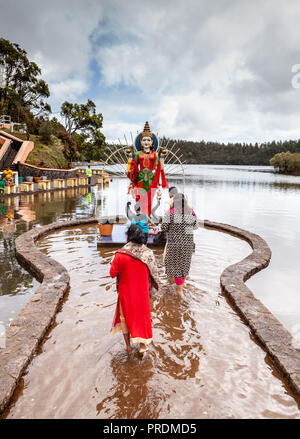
(139, 218)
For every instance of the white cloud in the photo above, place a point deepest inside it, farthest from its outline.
(121, 64)
(195, 69)
(213, 71)
(69, 89)
(56, 35)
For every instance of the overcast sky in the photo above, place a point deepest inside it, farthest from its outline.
(196, 69)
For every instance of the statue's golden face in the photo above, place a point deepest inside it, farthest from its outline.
(146, 144)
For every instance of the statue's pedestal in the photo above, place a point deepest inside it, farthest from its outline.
(118, 238)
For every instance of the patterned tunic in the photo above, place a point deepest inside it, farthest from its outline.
(180, 242)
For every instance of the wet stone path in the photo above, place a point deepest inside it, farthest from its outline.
(203, 362)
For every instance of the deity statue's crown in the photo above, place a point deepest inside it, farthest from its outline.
(146, 132)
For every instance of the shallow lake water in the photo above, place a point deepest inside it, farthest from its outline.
(203, 362)
(192, 342)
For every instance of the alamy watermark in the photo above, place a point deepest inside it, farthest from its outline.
(295, 331)
(296, 78)
(2, 337)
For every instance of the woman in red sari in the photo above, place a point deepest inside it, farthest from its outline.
(136, 271)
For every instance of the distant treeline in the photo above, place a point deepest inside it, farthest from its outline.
(231, 153)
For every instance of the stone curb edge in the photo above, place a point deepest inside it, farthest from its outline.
(27, 331)
(29, 327)
(272, 335)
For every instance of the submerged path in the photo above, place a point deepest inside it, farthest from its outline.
(203, 363)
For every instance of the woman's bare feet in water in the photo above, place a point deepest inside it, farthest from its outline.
(143, 348)
(179, 290)
(127, 342)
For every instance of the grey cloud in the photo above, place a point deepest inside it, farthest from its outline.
(269, 57)
(192, 65)
(55, 34)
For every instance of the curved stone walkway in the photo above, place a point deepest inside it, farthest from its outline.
(276, 340)
(27, 331)
(29, 327)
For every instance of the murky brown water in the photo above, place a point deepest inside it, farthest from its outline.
(202, 364)
(217, 193)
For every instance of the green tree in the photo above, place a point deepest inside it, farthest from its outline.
(286, 162)
(21, 89)
(46, 131)
(70, 148)
(90, 148)
(83, 124)
(81, 117)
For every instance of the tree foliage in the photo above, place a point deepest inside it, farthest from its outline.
(286, 162)
(81, 117)
(22, 91)
(70, 148)
(23, 96)
(83, 124)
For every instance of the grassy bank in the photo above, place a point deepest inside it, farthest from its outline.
(51, 154)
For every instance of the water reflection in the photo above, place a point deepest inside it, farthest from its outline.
(18, 215)
(253, 198)
(202, 363)
(131, 383)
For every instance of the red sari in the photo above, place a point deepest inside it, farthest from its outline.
(133, 289)
(144, 191)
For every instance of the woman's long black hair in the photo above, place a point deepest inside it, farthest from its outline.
(135, 234)
(181, 205)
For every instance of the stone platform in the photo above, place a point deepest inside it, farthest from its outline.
(118, 238)
(29, 327)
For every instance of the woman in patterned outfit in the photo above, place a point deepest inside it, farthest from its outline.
(179, 224)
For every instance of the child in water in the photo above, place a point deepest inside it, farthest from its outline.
(139, 218)
(2, 186)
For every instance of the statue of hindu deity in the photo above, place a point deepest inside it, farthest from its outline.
(145, 168)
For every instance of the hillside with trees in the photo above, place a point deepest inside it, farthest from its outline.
(232, 153)
(23, 97)
(23, 93)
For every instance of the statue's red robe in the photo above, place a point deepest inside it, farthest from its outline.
(144, 193)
